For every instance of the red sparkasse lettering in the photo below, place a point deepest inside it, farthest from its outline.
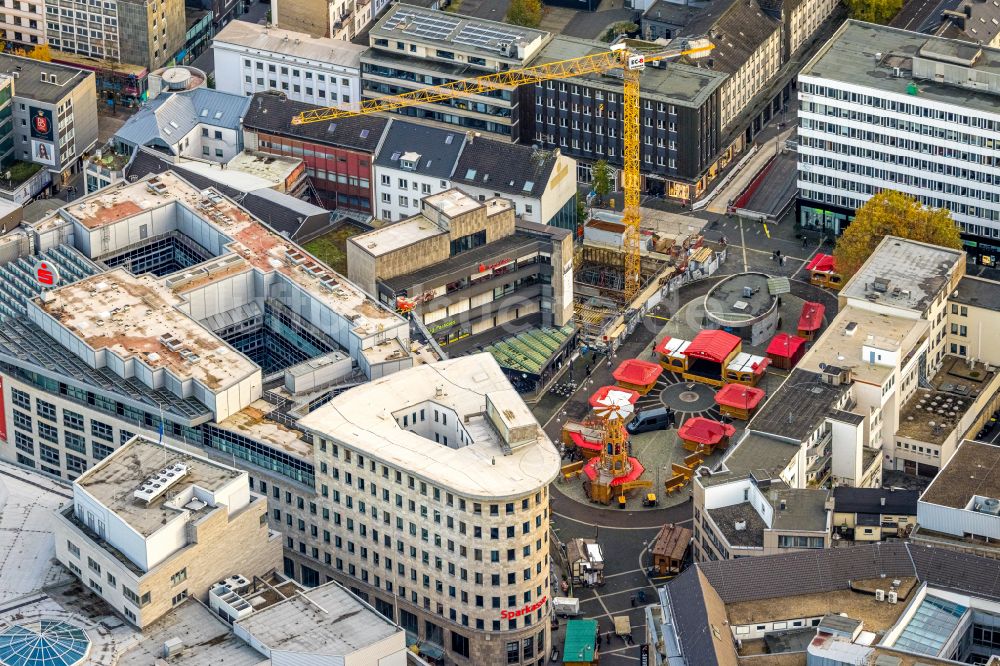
(524, 610)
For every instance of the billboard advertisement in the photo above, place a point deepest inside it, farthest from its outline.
(43, 152)
(41, 123)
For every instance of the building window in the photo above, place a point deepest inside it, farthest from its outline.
(179, 577)
(23, 443)
(101, 451)
(73, 420)
(73, 548)
(513, 652)
(102, 431)
(94, 566)
(179, 597)
(459, 644)
(20, 399)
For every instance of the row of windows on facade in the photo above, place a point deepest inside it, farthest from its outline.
(94, 567)
(923, 166)
(866, 137)
(575, 123)
(208, 435)
(882, 103)
(338, 452)
(296, 88)
(426, 602)
(600, 149)
(899, 124)
(296, 73)
(868, 189)
(600, 96)
(433, 514)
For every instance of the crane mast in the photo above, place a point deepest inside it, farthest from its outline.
(629, 60)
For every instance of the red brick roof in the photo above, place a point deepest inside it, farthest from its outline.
(713, 345)
(739, 395)
(635, 371)
(705, 431)
(785, 345)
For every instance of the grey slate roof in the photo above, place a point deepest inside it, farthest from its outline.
(439, 149)
(977, 292)
(29, 82)
(282, 212)
(505, 167)
(170, 117)
(869, 500)
(272, 113)
(737, 29)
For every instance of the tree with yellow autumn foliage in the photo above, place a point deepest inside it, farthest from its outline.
(892, 213)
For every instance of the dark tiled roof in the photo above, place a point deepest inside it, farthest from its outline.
(751, 534)
(696, 608)
(439, 149)
(737, 30)
(869, 500)
(507, 168)
(673, 13)
(273, 114)
(977, 293)
(284, 219)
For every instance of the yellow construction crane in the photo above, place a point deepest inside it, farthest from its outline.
(631, 61)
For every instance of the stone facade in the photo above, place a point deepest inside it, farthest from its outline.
(218, 547)
(384, 531)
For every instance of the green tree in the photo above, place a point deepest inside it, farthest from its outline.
(601, 179)
(527, 13)
(581, 209)
(892, 213)
(874, 11)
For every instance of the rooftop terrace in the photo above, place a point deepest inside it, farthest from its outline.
(930, 415)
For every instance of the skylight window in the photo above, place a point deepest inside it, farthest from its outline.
(364, 134)
(204, 113)
(470, 174)
(529, 185)
(218, 114)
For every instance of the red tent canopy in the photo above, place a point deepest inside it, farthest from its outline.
(812, 316)
(785, 345)
(739, 395)
(823, 263)
(705, 431)
(637, 469)
(713, 346)
(602, 393)
(640, 373)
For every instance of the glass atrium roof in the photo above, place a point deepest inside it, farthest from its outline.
(43, 643)
(933, 623)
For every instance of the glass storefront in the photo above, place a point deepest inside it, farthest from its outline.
(828, 219)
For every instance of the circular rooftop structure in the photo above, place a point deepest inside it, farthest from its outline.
(43, 643)
(178, 79)
(740, 300)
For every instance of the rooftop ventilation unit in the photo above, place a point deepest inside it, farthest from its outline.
(990, 506)
(881, 285)
(157, 484)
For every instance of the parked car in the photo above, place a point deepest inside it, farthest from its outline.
(657, 418)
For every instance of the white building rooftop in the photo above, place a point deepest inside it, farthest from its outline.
(263, 249)
(324, 621)
(854, 333)
(397, 236)
(496, 450)
(904, 274)
(113, 483)
(136, 318)
(295, 44)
